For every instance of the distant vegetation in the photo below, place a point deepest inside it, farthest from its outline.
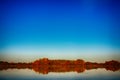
(45, 65)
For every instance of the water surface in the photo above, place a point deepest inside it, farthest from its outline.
(29, 74)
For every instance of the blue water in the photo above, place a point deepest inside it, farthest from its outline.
(26, 74)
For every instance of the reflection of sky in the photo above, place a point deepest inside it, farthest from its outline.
(87, 75)
(69, 29)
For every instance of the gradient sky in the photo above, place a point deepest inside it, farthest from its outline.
(59, 29)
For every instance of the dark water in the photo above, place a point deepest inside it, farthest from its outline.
(27, 74)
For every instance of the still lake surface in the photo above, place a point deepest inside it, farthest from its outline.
(29, 74)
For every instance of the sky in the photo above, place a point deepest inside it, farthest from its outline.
(59, 29)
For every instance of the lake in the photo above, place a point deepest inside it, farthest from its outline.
(30, 74)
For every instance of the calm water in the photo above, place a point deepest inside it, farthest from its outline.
(27, 74)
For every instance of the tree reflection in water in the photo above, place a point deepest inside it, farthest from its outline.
(45, 65)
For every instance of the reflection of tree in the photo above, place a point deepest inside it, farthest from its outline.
(45, 65)
(58, 68)
(113, 68)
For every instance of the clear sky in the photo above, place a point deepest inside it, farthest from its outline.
(59, 29)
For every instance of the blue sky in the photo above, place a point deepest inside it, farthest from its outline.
(49, 28)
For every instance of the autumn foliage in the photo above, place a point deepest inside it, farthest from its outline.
(45, 65)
